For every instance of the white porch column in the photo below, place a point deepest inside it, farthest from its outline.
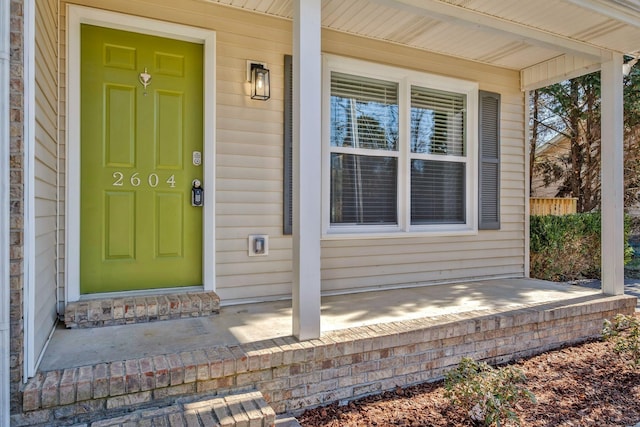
(4, 212)
(612, 178)
(307, 80)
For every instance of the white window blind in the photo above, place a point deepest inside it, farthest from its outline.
(400, 150)
(364, 112)
(437, 129)
(364, 173)
(437, 121)
(363, 189)
(437, 192)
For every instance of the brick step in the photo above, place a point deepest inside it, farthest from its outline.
(128, 385)
(140, 309)
(247, 409)
(131, 392)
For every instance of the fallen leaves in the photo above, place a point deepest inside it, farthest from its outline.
(583, 385)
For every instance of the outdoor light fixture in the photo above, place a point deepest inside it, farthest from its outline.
(259, 78)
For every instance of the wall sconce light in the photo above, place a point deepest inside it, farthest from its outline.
(258, 75)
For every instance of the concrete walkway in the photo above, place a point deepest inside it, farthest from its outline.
(631, 287)
(255, 322)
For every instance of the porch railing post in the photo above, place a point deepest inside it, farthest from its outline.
(612, 178)
(307, 82)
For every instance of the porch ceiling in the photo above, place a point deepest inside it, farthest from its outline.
(514, 34)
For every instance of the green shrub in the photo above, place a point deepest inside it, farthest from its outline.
(567, 247)
(487, 394)
(625, 330)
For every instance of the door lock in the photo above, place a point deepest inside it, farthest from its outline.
(196, 158)
(197, 193)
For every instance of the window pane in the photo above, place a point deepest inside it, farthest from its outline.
(363, 189)
(437, 122)
(437, 192)
(364, 112)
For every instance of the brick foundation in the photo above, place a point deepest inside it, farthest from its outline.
(142, 309)
(340, 366)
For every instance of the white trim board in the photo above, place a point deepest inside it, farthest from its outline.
(78, 15)
(4, 212)
(29, 141)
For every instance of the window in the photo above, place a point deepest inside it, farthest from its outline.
(364, 150)
(400, 150)
(438, 156)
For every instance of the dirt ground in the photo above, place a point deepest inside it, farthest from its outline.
(583, 385)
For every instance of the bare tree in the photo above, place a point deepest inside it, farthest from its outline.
(572, 108)
(533, 143)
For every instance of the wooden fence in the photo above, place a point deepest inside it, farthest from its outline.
(552, 206)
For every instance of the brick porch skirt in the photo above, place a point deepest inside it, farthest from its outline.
(340, 366)
(140, 309)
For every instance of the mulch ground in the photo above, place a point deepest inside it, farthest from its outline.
(583, 385)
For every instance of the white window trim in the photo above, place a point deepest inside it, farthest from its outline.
(405, 79)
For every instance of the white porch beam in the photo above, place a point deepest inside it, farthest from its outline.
(4, 211)
(307, 80)
(556, 70)
(610, 9)
(612, 178)
(460, 15)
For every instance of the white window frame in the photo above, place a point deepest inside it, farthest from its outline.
(405, 79)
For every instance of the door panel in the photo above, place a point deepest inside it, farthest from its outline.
(120, 113)
(138, 229)
(169, 130)
(169, 224)
(120, 215)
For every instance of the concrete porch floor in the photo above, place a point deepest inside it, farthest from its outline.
(239, 324)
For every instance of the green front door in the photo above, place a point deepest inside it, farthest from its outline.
(139, 152)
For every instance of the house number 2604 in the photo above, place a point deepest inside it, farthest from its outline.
(152, 179)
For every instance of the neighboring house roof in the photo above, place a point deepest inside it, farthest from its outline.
(554, 151)
(556, 146)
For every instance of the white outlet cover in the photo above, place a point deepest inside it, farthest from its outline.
(251, 241)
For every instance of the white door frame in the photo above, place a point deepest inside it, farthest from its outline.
(83, 15)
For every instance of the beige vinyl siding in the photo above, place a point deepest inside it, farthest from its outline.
(46, 170)
(249, 137)
(353, 264)
(249, 168)
(249, 150)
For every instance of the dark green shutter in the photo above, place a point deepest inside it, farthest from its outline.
(287, 201)
(489, 153)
